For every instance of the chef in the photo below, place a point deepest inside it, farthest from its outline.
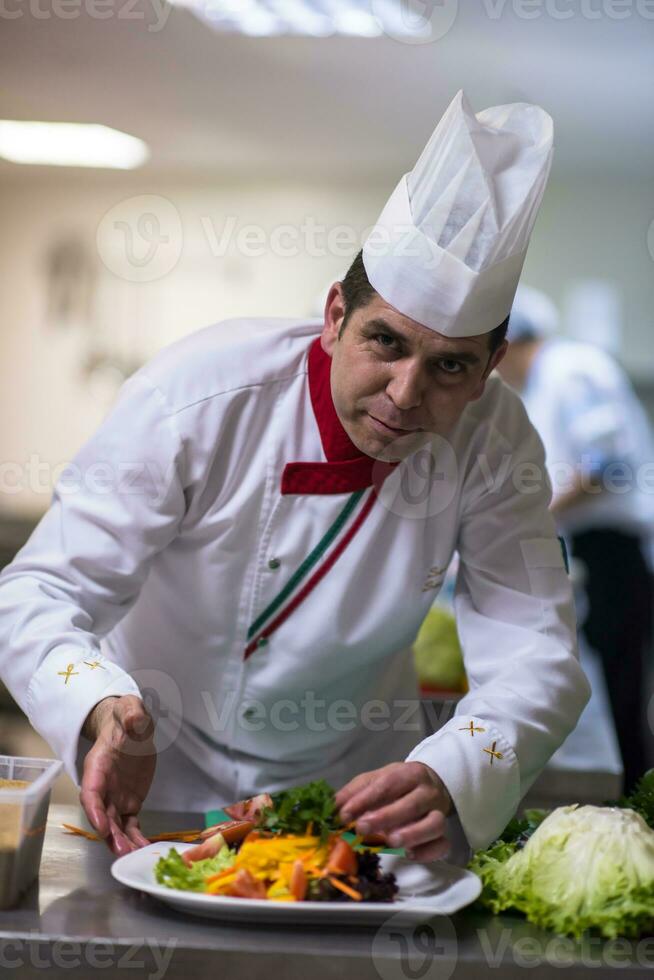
(247, 546)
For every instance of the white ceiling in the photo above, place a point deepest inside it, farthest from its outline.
(222, 105)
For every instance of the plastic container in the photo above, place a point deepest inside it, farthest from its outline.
(23, 815)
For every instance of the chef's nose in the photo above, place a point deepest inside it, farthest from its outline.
(406, 387)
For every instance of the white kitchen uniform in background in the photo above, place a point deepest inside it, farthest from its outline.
(593, 427)
(199, 499)
(590, 419)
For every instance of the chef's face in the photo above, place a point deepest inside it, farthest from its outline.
(395, 381)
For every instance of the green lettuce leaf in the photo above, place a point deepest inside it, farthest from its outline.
(583, 868)
(173, 873)
(642, 798)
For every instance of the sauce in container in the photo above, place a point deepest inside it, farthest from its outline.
(25, 786)
(10, 818)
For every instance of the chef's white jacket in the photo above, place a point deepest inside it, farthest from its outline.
(205, 494)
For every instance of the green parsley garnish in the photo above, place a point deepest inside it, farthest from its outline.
(294, 809)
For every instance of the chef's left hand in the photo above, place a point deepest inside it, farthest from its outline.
(406, 801)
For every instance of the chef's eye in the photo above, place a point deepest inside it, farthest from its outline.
(385, 340)
(449, 366)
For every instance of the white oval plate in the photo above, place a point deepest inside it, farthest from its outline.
(436, 888)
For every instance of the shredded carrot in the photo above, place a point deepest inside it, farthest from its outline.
(309, 830)
(357, 896)
(214, 889)
(220, 874)
(186, 836)
(316, 872)
(175, 834)
(80, 833)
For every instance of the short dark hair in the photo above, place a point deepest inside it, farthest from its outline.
(358, 292)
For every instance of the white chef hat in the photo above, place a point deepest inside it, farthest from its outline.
(448, 248)
(533, 315)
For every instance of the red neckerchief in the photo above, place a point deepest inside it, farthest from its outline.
(346, 469)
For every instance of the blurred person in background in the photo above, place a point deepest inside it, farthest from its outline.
(599, 453)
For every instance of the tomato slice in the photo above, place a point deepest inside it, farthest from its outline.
(249, 809)
(342, 859)
(245, 885)
(207, 849)
(375, 840)
(233, 831)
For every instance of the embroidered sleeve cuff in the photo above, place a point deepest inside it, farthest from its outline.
(67, 685)
(481, 773)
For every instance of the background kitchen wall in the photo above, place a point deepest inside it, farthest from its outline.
(275, 130)
(74, 322)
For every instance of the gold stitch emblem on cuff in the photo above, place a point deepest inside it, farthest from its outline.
(68, 672)
(492, 753)
(471, 728)
(434, 578)
(94, 664)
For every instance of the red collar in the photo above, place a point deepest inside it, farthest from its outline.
(346, 469)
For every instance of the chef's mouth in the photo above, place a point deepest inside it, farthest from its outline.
(392, 428)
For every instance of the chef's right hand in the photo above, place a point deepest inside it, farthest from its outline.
(118, 770)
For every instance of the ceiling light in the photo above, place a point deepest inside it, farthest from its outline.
(70, 145)
(312, 18)
(357, 22)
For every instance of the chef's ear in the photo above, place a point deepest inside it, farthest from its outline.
(334, 317)
(493, 361)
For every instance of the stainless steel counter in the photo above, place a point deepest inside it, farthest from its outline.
(78, 922)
